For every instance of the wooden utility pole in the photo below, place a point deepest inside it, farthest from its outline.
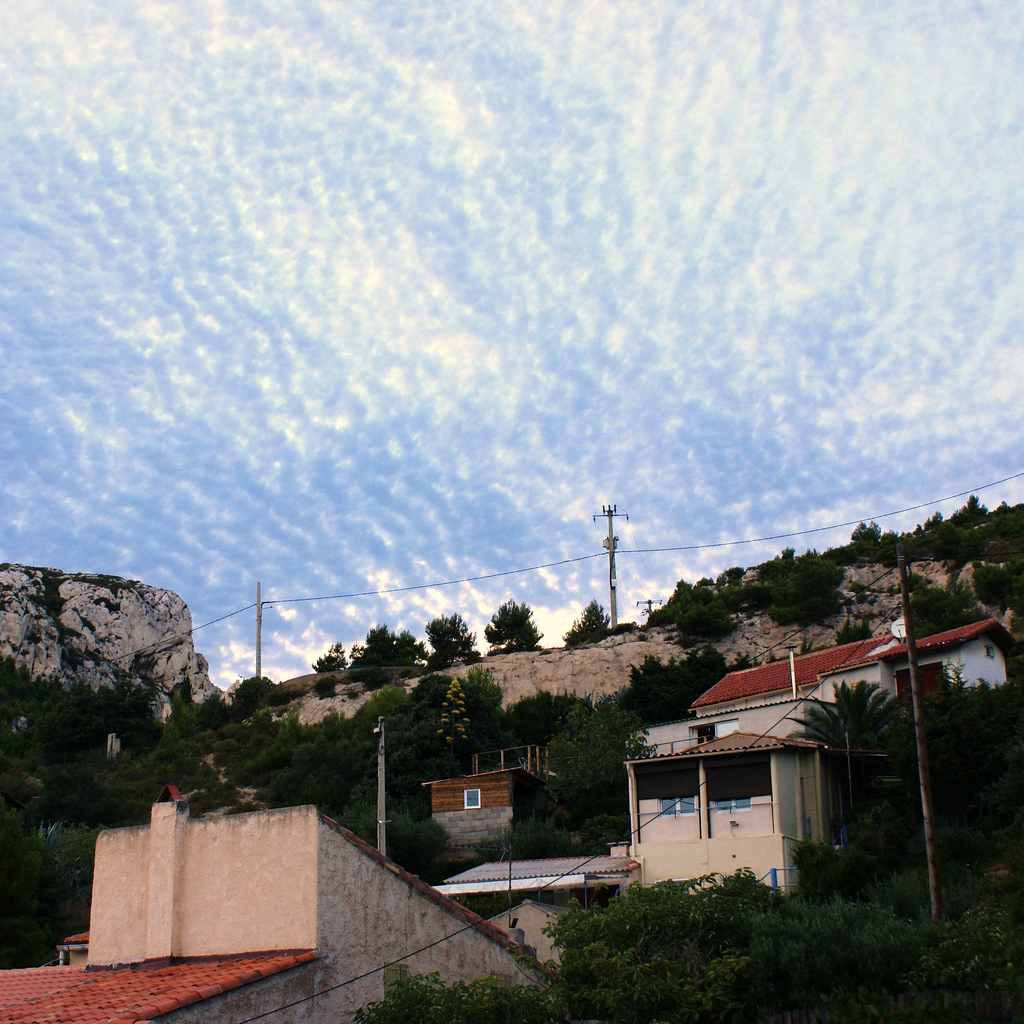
(610, 543)
(923, 767)
(382, 824)
(259, 633)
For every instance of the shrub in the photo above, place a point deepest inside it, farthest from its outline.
(804, 951)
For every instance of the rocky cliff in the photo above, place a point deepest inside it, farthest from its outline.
(869, 592)
(97, 629)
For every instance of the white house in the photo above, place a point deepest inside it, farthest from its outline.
(768, 699)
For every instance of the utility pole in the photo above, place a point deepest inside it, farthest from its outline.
(647, 605)
(610, 542)
(259, 633)
(382, 824)
(923, 767)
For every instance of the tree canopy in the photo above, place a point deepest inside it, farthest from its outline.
(383, 647)
(592, 625)
(450, 641)
(512, 629)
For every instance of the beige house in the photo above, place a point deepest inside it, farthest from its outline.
(279, 915)
(770, 698)
(742, 801)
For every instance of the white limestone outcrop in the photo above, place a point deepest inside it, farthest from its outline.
(96, 629)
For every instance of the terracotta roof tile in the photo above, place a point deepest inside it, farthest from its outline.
(738, 743)
(774, 677)
(62, 995)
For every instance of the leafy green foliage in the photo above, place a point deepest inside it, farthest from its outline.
(670, 951)
(702, 610)
(663, 691)
(385, 647)
(971, 730)
(592, 625)
(803, 589)
(22, 943)
(535, 719)
(587, 758)
(936, 609)
(249, 697)
(79, 720)
(512, 629)
(332, 660)
(803, 951)
(853, 630)
(450, 641)
(857, 717)
(428, 1000)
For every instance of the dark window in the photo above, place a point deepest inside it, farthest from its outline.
(751, 777)
(929, 675)
(656, 782)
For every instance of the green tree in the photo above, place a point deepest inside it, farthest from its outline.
(859, 715)
(587, 757)
(936, 609)
(535, 719)
(332, 660)
(592, 625)
(385, 648)
(22, 943)
(667, 952)
(512, 629)
(663, 691)
(804, 588)
(450, 641)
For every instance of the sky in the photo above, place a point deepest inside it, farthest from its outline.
(354, 299)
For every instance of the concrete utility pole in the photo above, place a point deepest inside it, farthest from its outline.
(382, 824)
(923, 768)
(259, 633)
(610, 542)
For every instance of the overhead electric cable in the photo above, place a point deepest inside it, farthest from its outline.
(821, 529)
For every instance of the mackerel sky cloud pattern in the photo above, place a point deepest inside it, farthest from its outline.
(352, 295)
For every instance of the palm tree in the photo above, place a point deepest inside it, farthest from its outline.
(857, 717)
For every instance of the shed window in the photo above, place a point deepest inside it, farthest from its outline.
(471, 799)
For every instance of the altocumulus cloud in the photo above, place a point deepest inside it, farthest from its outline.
(345, 296)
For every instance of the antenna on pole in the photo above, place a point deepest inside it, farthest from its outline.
(259, 634)
(382, 824)
(610, 543)
(648, 605)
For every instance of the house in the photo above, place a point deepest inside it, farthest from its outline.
(279, 915)
(526, 922)
(586, 879)
(475, 808)
(770, 698)
(74, 950)
(738, 801)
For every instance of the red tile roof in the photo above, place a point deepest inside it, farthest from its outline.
(774, 677)
(74, 940)
(737, 743)
(125, 995)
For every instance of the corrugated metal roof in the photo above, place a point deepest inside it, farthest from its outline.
(544, 867)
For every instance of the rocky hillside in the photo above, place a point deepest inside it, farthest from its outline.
(96, 629)
(603, 667)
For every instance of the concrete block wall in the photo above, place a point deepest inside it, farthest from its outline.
(474, 826)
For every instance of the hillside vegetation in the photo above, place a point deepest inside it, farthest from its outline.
(254, 752)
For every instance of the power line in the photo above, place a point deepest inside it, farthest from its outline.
(824, 529)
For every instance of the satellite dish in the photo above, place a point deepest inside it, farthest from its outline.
(899, 629)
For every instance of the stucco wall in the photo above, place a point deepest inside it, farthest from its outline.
(186, 887)
(690, 860)
(120, 896)
(369, 916)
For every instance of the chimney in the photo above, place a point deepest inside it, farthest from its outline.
(167, 823)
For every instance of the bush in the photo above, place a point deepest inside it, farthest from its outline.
(326, 686)
(426, 999)
(804, 951)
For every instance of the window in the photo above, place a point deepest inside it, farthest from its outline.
(471, 799)
(678, 805)
(731, 806)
